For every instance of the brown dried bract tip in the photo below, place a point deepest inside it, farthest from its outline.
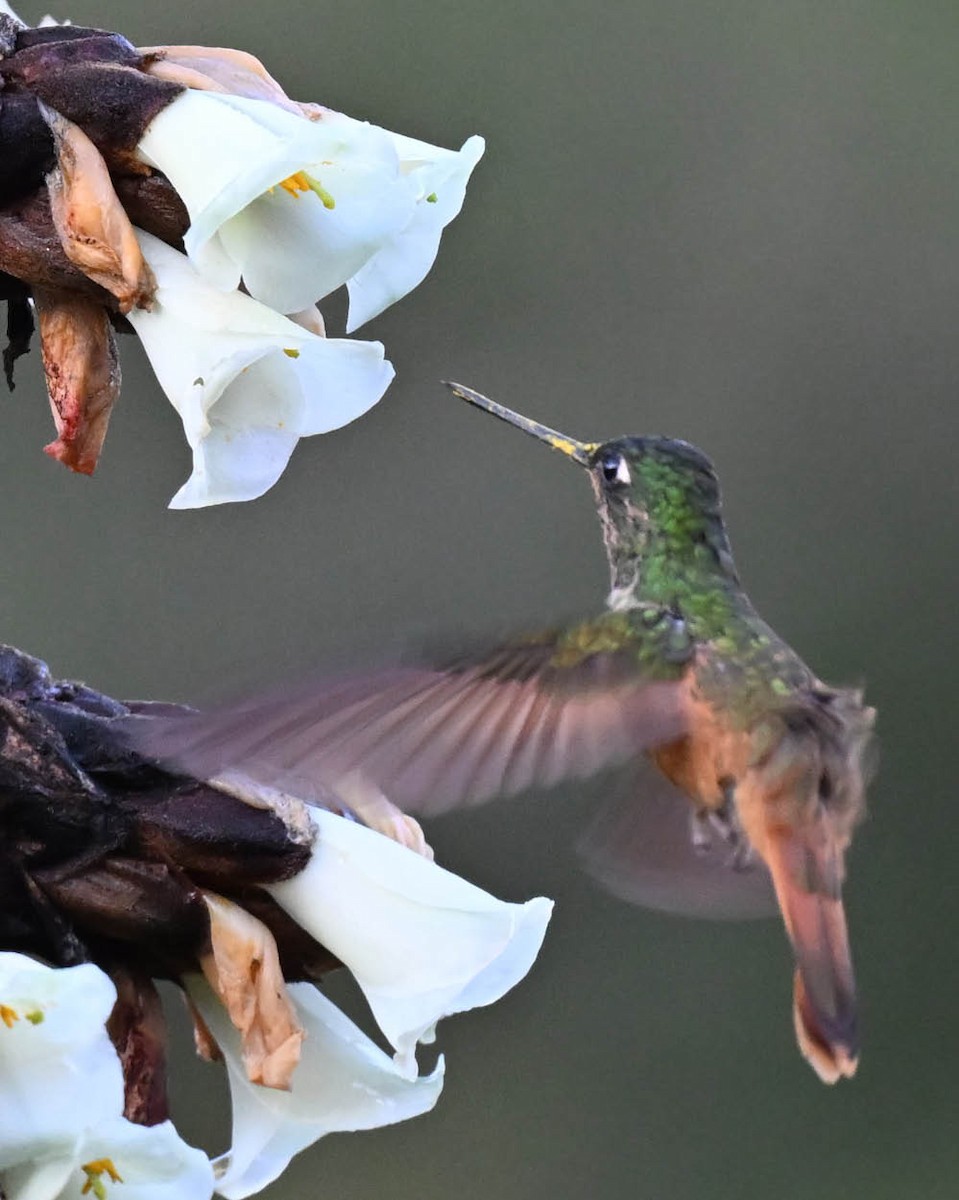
(152, 203)
(138, 1031)
(205, 1043)
(83, 374)
(95, 232)
(243, 968)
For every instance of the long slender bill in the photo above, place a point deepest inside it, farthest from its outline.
(580, 452)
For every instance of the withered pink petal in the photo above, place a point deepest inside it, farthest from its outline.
(310, 319)
(190, 77)
(95, 232)
(83, 374)
(243, 968)
(217, 68)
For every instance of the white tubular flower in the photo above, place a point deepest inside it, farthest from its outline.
(247, 382)
(119, 1161)
(295, 207)
(343, 1083)
(61, 1096)
(421, 942)
(57, 1065)
(438, 180)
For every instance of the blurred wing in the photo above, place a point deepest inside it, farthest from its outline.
(641, 849)
(530, 714)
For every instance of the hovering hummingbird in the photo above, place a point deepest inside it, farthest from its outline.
(679, 672)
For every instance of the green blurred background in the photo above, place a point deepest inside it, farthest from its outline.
(738, 223)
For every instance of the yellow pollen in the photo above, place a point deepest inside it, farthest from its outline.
(296, 183)
(291, 353)
(35, 1017)
(94, 1172)
(8, 1015)
(300, 181)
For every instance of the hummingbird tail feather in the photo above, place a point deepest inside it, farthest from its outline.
(806, 866)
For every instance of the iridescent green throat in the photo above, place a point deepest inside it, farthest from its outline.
(667, 544)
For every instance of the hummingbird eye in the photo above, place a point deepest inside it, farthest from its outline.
(615, 468)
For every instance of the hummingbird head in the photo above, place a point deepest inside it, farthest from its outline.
(658, 500)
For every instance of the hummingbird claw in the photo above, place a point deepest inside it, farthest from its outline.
(700, 833)
(704, 823)
(727, 826)
(742, 857)
(725, 818)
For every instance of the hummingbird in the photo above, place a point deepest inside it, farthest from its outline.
(678, 676)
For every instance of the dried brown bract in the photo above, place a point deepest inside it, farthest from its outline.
(73, 104)
(83, 374)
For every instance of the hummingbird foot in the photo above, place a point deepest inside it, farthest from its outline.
(724, 822)
(700, 831)
(706, 824)
(742, 857)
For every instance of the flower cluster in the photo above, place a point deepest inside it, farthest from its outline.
(61, 1093)
(180, 191)
(120, 874)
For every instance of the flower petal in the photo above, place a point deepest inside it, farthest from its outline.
(247, 382)
(61, 1094)
(227, 157)
(58, 1067)
(219, 152)
(438, 179)
(343, 1083)
(295, 249)
(421, 942)
(129, 1162)
(43, 1180)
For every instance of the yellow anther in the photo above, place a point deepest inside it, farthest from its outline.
(296, 183)
(291, 353)
(94, 1172)
(300, 181)
(8, 1015)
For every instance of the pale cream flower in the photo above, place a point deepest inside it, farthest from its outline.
(247, 382)
(421, 942)
(343, 1083)
(61, 1097)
